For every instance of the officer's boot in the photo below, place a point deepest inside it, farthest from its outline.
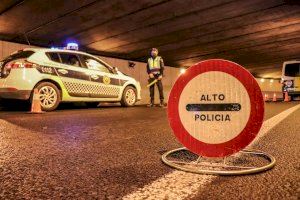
(162, 103)
(151, 104)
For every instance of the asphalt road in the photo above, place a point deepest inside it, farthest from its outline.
(110, 152)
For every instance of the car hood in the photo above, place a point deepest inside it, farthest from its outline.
(125, 76)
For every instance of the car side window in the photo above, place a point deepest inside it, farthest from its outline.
(53, 56)
(94, 64)
(70, 59)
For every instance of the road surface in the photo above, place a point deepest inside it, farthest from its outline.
(113, 153)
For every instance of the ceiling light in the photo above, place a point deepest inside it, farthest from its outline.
(182, 71)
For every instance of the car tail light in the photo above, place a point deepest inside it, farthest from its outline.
(19, 64)
(16, 64)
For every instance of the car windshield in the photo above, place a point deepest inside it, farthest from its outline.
(94, 64)
(292, 70)
(18, 55)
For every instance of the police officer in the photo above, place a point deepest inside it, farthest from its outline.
(155, 69)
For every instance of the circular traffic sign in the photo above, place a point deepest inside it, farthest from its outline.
(216, 108)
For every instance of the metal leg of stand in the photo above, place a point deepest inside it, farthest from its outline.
(195, 166)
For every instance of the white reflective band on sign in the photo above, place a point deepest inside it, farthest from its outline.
(214, 127)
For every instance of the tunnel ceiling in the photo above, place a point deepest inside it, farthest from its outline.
(257, 34)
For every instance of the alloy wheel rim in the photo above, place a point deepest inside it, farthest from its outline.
(48, 96)
(130, 96)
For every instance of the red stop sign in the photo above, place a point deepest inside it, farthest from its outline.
(216, 108)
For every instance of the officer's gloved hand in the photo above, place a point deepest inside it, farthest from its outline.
(151, 75)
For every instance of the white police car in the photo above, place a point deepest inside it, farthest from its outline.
(64, 76)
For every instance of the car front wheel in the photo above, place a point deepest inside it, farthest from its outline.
(129, 96)
(49, 96)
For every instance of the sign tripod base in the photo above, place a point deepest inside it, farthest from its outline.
(244, 162)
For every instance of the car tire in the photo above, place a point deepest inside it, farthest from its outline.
(50, 96)
(92, 104)
(129, 97)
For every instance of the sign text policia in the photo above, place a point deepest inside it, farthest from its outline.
(218, 116)
(215, 108)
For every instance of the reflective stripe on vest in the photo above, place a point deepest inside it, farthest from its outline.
(154, 64)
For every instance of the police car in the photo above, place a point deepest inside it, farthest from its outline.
(64, 76)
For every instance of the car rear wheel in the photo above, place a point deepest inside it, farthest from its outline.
(50, 96)
(92, 104)
(129, 96)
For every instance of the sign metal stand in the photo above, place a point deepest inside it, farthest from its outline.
(202, 165)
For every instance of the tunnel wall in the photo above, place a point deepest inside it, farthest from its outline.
(270, 88)
(139, 73)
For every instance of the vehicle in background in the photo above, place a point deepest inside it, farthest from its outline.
(291, 78)
(64, 76)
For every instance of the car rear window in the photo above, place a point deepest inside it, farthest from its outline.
(292, 70)
(53, 56)
(18, 55)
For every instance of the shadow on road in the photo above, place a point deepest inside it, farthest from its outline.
(24, 106)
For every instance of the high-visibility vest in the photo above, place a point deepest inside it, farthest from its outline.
(154, 64)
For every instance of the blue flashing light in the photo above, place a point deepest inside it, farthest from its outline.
(72, 46)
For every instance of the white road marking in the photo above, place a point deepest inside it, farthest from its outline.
(180, 185)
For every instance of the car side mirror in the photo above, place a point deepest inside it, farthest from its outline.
(115, 69)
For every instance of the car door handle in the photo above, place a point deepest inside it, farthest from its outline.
(62, 71)
(95, 77)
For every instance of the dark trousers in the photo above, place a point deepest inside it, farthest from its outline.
(160, 89)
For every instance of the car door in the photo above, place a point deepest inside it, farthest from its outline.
(105, 83)
(74, 75)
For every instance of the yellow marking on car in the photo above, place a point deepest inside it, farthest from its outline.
(106, 80)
